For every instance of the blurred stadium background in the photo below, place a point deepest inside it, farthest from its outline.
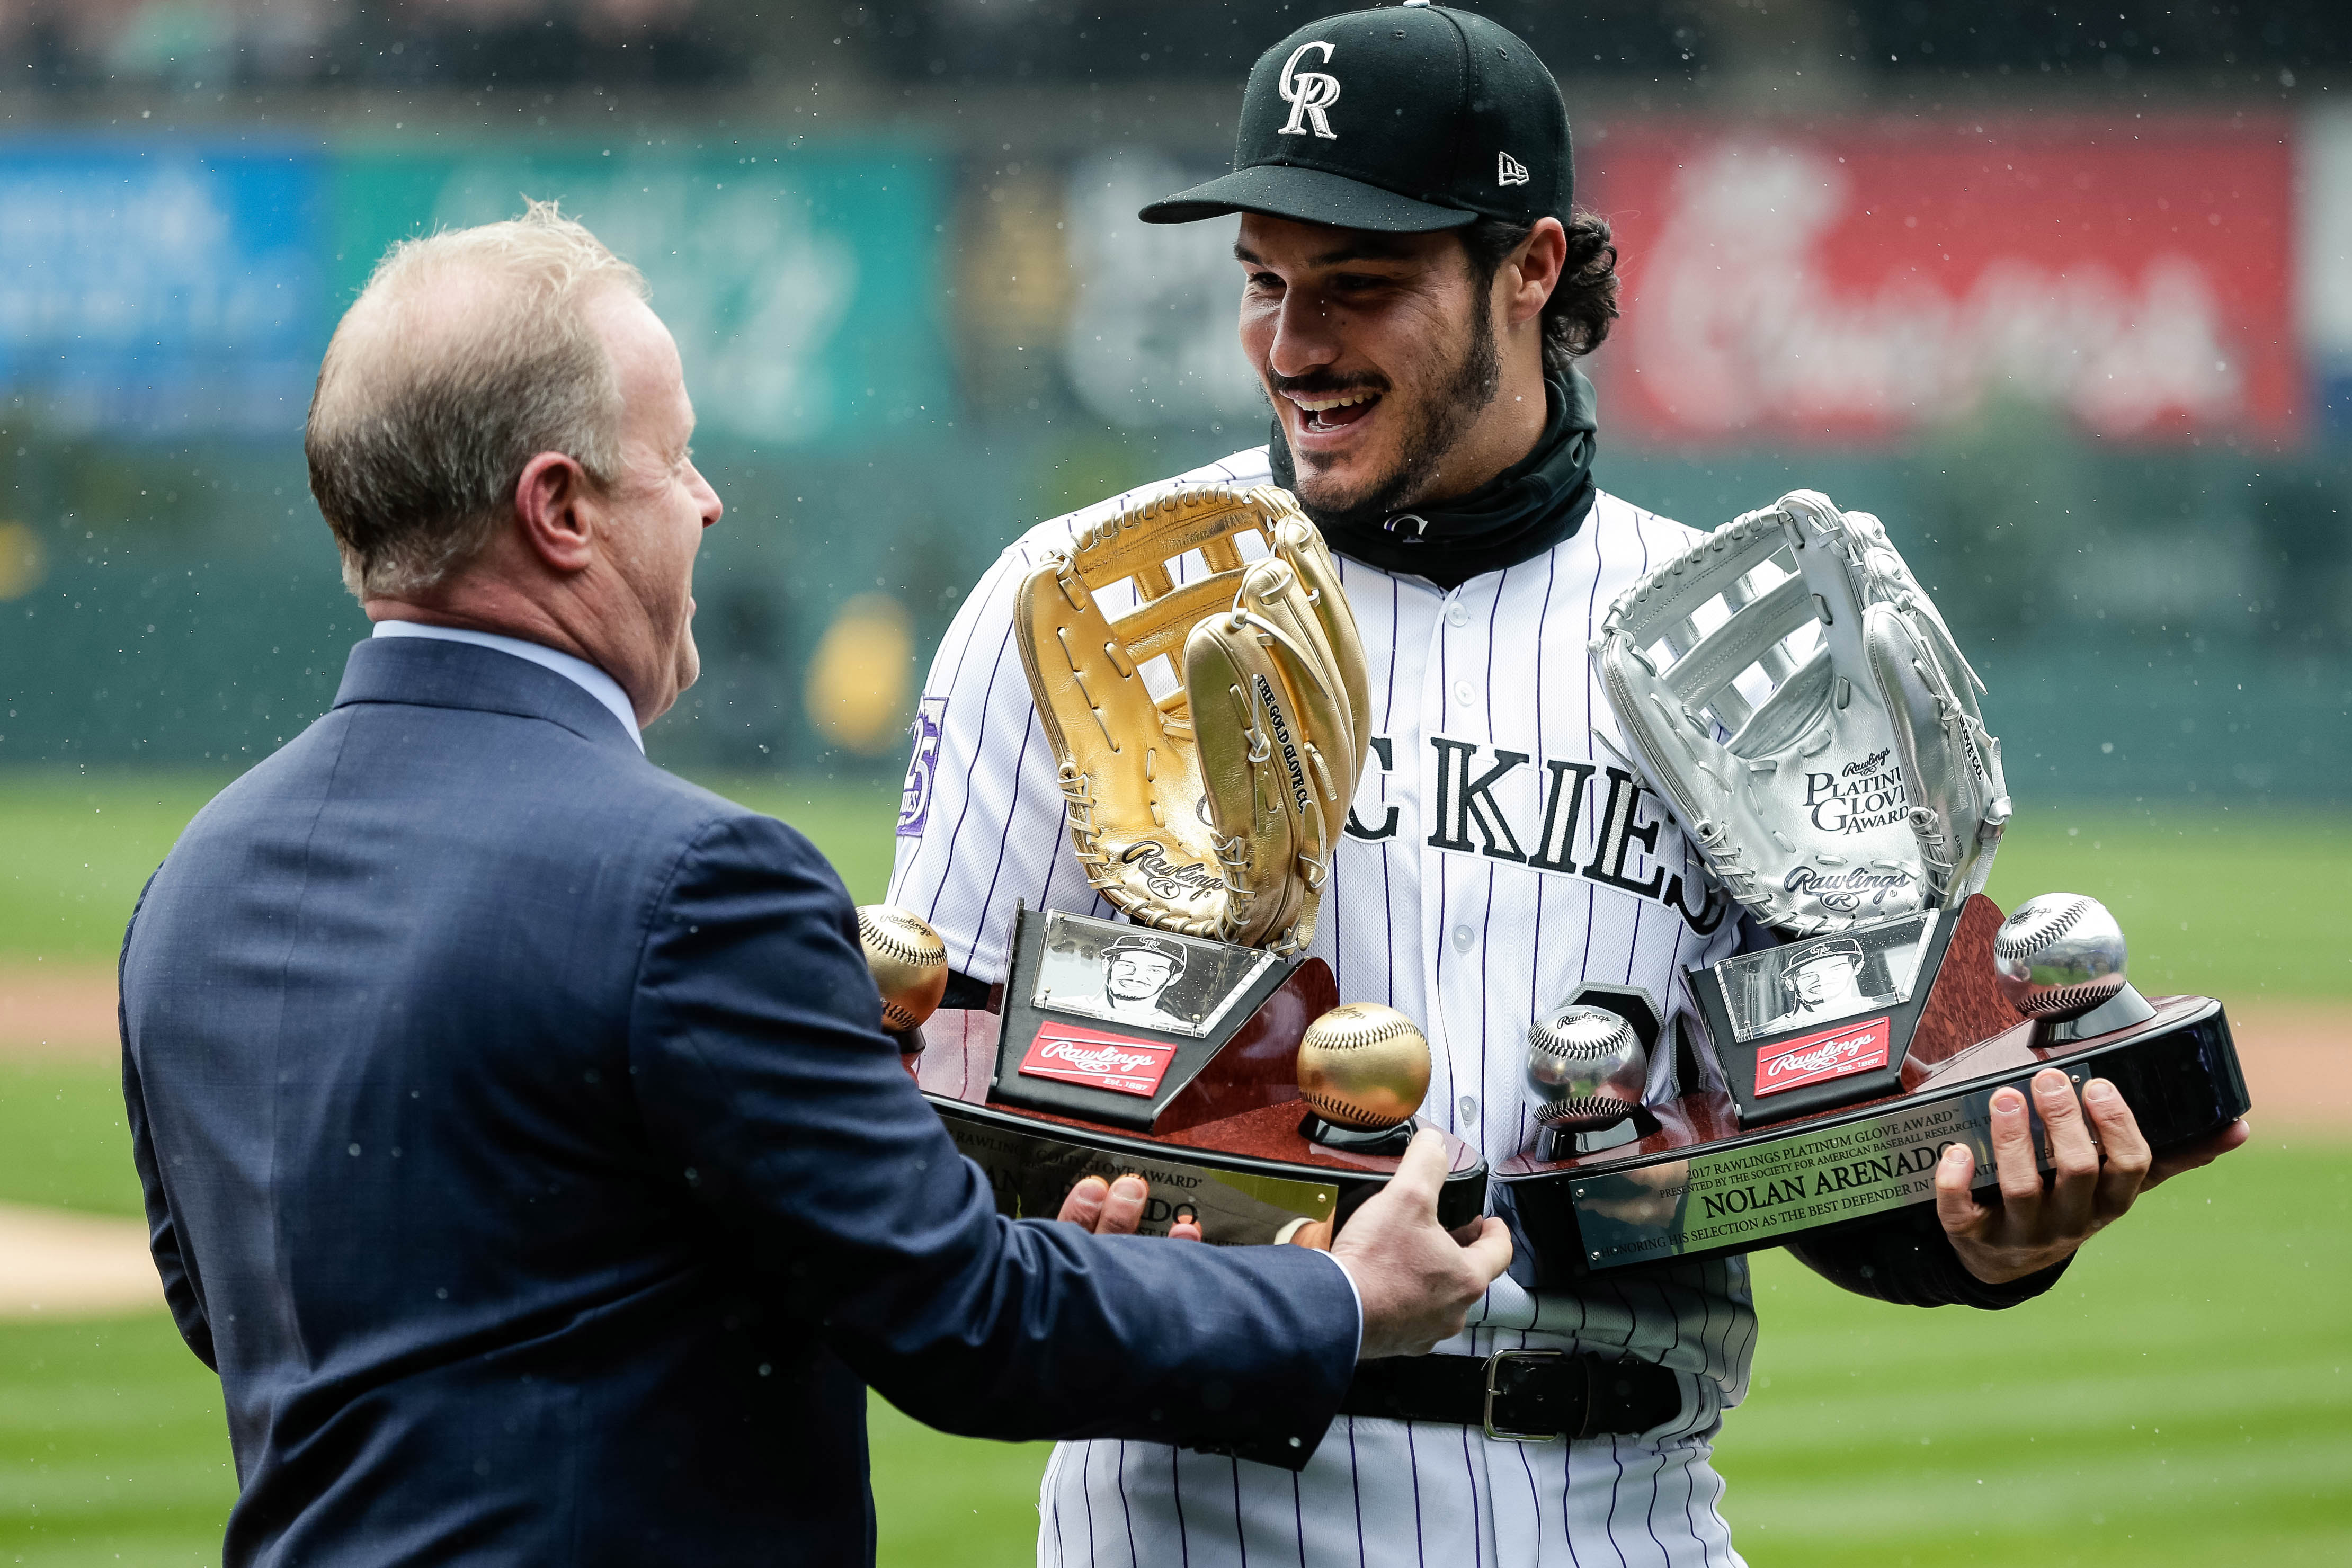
(2064, 292)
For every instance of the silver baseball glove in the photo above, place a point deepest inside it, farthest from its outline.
(1789, 690)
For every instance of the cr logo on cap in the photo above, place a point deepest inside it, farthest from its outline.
(1309, 93)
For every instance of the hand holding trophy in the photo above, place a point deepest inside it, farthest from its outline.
(1790, 692)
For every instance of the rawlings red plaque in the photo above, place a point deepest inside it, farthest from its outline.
(1117, 1062)
(1814, 1058)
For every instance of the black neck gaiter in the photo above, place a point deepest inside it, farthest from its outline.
(1516, 516)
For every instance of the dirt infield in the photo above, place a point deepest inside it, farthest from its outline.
(55, 1266)
(66, 1011)
(2297, 1054)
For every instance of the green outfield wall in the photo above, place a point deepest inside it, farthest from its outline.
(188, 606)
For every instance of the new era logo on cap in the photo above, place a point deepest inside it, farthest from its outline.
(1509, 170)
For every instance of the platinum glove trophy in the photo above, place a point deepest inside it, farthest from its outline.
(1789, 692)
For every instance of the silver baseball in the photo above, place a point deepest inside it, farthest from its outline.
(2058, 956)
(1586, 1069)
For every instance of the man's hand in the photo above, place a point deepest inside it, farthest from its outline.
(1115, 1208)
(1417, 1281)
(2097, 1170)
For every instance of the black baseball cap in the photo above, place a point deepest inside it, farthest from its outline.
(1404, 119)
(1166, 949)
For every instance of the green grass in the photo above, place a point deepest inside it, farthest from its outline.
(112, 1438)
(2221, 902)
(2179, 1399)
(113, 1446)
(952, 1502)
(853, 823)
(2183, 1397)
(79, 847)
(114, 1449)
(75, 849)
(2241, 906)
(63, 1142)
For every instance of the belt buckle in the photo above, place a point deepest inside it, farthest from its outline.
(1494, 1363)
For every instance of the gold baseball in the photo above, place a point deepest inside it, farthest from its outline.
(908, 962)
(1363, 1066)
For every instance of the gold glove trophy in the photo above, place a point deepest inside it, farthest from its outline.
(1207, 709)
(1788, 689)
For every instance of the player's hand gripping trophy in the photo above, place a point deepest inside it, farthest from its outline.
(1197, 672)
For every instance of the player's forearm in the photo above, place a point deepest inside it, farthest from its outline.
(1904, 1259)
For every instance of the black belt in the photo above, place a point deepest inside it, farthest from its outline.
(1520, 1395)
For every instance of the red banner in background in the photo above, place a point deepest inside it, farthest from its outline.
(1859, 280)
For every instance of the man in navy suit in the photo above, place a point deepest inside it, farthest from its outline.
(519, 1138)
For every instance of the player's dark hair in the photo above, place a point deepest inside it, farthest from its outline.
(1576, 317)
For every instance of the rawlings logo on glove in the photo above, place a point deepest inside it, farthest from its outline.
(1212, 806)
(1789, 690)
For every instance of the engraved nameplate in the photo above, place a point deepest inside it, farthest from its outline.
(1032, 1172)
(1751, 1193)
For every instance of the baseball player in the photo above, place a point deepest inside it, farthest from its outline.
(1415, 290)
(1135, 971)
(1825, 982)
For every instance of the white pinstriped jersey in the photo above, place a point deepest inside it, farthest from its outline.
(1497, 858)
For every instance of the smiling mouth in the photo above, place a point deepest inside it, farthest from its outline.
(1335, 411)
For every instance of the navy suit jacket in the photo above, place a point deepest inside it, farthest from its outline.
(522, 1146)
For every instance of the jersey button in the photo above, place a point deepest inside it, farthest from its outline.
(1469, 1110)
(1464, 694)
(1464, 939)
(1457, 614)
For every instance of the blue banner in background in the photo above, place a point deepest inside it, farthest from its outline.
(171, 288)
(801, 282)
(162, 289)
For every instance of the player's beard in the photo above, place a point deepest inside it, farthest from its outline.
(1432, 428)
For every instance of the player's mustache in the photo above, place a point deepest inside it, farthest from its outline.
(1321, 385)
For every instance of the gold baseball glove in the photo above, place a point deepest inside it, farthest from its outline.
(1211, 806)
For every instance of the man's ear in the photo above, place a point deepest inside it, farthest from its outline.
(556, 511)
(1530, 275)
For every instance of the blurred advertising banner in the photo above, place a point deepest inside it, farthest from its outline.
(802, 284)
(1855, 281)
(155, 289)
(2326, 260)
(1149, 339)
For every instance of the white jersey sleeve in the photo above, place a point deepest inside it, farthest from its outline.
(980, 821)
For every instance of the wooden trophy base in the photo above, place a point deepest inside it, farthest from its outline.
(1221, 1134)
(1705, 1182)
(1250, 1175)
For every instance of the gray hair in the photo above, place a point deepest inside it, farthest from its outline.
(468, 354)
